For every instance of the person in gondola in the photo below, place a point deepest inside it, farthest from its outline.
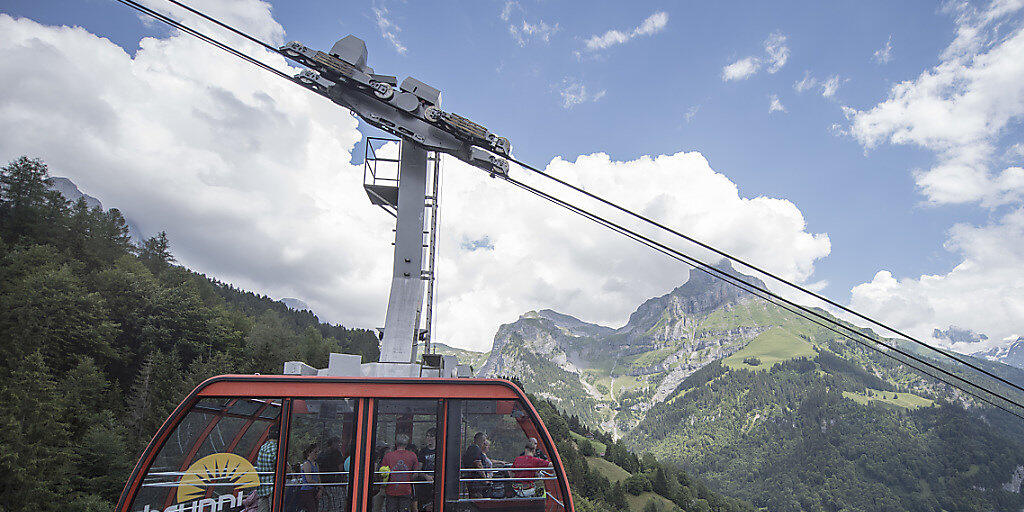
(266, 461)
(476, 457)
(401, 461)
(528, 459)
(330, 460)
(309, 493)
(424, 492)
(537, 452)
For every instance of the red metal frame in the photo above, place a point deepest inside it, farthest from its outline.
(291, 386)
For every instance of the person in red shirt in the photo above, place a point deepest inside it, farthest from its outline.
(398, 490)
(528, 459)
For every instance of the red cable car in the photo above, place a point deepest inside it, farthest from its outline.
(288, 443)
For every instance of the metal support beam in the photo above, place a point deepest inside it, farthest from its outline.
(401, 325)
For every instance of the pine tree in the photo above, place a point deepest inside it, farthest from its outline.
(155, 252)
(617, 496)
(139, 401)
(660, 482)
(27, 205)
(35, 455)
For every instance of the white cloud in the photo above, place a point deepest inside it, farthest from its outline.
(959, 109)
(776, 56)
(506, 10)
(523, 31)
(651, 25)
(829, 86)
(251, 178)
(248, 16)
(806, 82)
(691, 113)
(567, 263)
(741, 69)
(244, 170)
(388, 29)
(984, 293)
(777, 51)
(774, 105)
(574, 92)
(883, 55)
(539, 31)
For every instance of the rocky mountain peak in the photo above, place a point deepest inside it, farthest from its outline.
(1011, 354)
(572, 324)
(296, 304)
(70, 191)
(955, 334)
(698, 296)
(704, 284)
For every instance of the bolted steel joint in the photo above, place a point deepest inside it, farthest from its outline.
(432, 114)
(382, 90)
(500, 145)
(293, 49)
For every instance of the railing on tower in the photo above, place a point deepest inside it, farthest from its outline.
(380, 174)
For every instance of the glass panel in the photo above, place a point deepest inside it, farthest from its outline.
(405, 441)
(501, 466)
(209, 463)
(321, 440)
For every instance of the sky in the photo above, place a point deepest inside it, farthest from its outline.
(868, 150)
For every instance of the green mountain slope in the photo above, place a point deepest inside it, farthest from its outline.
(774, 409)
(99, 340)
(470, 357)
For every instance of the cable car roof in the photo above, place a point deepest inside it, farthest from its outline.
(356, 387)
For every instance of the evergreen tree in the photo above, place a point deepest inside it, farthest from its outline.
(155, 252)
(28, 208)
(34, 455)
(617, 497)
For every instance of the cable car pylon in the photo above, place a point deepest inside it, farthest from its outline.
(412, 112)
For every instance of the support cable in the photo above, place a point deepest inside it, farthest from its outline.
(780, 279)
(764, 294)
(188, 30)
(225, 26)
(711, 270)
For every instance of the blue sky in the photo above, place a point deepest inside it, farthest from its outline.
(512, 66)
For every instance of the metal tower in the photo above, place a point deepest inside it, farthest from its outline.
(412, 112)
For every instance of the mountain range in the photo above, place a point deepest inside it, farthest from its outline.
(769, 407)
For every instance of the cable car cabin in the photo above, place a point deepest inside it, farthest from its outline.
(289, 443)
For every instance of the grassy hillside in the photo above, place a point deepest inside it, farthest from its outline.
(608, 469)
(775, 345)
(905, 400)
(470, 357)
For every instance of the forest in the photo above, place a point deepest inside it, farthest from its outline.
(793, 438)
(100, 340)
(594, 492)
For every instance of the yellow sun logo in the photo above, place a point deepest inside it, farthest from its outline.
(223, 473)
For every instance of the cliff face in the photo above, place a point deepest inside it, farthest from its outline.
(608, 376)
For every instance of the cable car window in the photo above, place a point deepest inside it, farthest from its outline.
(500, 465)
(405, 450)
(321, 441)
(209, 462)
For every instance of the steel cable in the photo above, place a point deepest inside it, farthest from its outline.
(758, 269)
(711, 270)
(741, 284)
